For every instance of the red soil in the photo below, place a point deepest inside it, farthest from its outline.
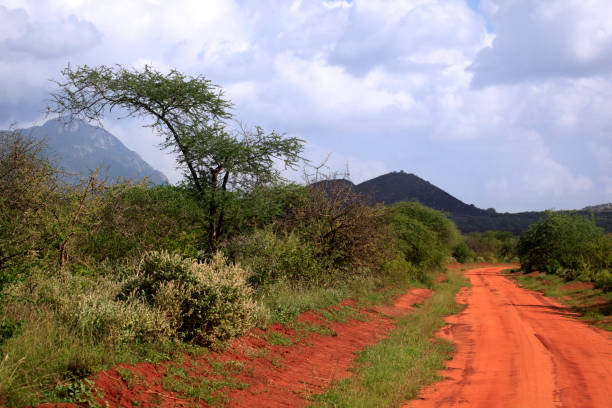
(272, 375)
(517, 348)
(577, 286)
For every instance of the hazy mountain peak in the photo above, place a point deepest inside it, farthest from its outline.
(78, 147)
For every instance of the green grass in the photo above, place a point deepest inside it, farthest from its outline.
(287, 302)
(277, 339)
(593, 305)
(341, 314)
(44, 360)
(210, 386)
(393, 370)
(131, 378)
(48, 363)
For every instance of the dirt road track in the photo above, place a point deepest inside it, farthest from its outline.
(517, 348)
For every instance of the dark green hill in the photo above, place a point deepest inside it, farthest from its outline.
(78, 148)
(399, 186)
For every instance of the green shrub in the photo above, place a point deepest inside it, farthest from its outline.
(436, 221)
(492, 246)
(399, 270)
(339, 225)
(57, 329)
(8, 329)
(561, 243)
(87, 305)
(462, 253)
(27, 188)
(138, 217)
(275, 257)
(603, 280)
(425, 236)
(207, 302)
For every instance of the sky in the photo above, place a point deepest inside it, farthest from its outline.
(505, 104)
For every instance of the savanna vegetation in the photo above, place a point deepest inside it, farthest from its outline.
(566, 256)
(570, 246)
(489, 246)
(108, 271)
(103, 272)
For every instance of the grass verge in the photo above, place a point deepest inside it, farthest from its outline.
(394, 369)
(593, 305)
(44, 360)
(48, 363)
(286, 302)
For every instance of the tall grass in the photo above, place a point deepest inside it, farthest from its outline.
(286, 300)
(39, 364)
(66, 327)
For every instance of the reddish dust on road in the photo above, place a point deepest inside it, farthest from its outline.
(517, 348)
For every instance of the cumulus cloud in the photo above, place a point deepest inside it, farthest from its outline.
(505, 107)
(537, 173)
(407, 36)
(535, 40)
(20, 37)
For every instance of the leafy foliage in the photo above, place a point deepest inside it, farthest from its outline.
(138, 217)
(28, 182)
(207, 302)
(425, 236)
(276, 257)
(462, 253)
(563, 244)
(190, 114)
(86, 305)
(491, 246)
(339, 224)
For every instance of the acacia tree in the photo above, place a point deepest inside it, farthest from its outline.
(191, 114)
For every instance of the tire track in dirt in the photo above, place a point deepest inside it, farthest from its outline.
(517, 348)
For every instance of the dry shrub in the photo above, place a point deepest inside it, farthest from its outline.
(274, 257)
(207, 302)
(87, 305)
(340, 224)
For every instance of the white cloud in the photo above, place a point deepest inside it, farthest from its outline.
(383, 84)
(535, 40)
(20, 37)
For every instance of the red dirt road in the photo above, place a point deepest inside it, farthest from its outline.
(517, 348)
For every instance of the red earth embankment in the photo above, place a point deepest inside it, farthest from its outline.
(517, 348)
(268, 375)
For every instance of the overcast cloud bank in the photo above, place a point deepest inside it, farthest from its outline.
(515, 117)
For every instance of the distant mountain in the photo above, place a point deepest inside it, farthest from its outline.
(599, 208)
(394, 187)
(399, 186)
(78, 148)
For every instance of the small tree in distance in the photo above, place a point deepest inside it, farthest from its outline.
(191, 114)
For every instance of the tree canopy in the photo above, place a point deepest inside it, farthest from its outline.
(191, 114)
(559, 242)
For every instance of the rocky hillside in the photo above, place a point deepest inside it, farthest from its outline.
(78, 148)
